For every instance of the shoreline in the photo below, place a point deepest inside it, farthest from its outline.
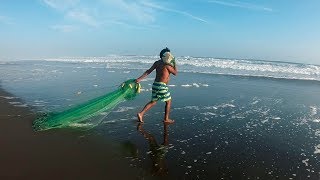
(57, 154)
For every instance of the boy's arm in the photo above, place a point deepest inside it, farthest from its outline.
(172, 70)
(147, 72)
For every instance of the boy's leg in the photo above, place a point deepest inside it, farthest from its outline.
(145, 109)
(167, 112)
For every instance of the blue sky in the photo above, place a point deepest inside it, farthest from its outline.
(286, 30)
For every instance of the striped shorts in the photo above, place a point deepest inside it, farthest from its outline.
(160, 91)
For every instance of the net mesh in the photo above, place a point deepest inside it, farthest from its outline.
(85, 115)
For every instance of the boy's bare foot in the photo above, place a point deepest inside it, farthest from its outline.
(168, 121)
(139, 117)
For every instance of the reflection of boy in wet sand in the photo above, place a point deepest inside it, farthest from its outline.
(158, 152)
(160, 89)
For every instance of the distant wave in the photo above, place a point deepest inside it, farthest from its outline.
(235, 67)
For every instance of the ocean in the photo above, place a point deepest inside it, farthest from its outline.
(234, 118)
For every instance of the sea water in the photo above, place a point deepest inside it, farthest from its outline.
(234, 118)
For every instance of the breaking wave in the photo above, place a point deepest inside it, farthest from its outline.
(237, 67)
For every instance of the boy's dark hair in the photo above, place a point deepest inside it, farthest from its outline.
(164, 51)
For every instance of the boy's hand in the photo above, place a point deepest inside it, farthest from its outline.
(174, 62)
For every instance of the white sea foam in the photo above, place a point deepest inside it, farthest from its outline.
(317, 149)
(305, 162)
(114, 121)
(238, 67)
(14, 102)
(316, 120)
(238, 117)
(276, 118)
(145, 90)
(254, 102)
(8, 97)
(210, 107)
(21, 105)
(147, 79)
(227, 105)
(313, 110)
(192, 107)
(209, 114)
(124, 109)
(195, 85)
(55, 71)
(38, 105)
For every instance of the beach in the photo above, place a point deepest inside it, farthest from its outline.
(234, 119)
(242, 77)
(26, 154)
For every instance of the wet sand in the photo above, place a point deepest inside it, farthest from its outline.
(59, 154)
(227, 127)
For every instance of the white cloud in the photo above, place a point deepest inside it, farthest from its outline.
(156, 6)
(133, 10)
(127, 25)
(74, 10)
(241, 5)
(83, 17)
(190, 15)
(64, 28)
(127, 13)
(146, 10)
(61, 4)
(51, 4)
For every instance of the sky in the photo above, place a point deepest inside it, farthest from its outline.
(279, 30)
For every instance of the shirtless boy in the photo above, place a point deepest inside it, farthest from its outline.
(160, 91)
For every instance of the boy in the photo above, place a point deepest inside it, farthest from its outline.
(160, 89)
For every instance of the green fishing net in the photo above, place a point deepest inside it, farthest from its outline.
(85, 115)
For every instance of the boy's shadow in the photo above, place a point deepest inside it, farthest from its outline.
(157, 152)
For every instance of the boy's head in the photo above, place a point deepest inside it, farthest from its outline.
(167, 57)
(164, 51)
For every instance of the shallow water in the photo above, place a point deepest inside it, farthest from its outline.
(226, 126)
(233, 127)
